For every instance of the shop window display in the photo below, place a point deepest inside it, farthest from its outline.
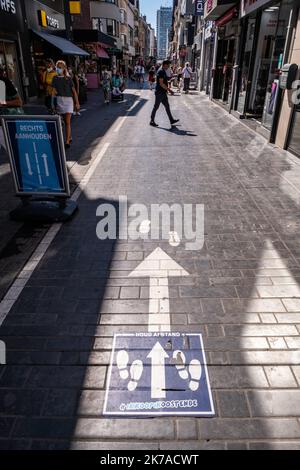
(246, 64)
(276, 64)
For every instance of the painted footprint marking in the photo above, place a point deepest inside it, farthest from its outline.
(135, 371)
(192, 372)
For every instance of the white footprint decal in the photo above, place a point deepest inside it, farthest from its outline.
(192, 373)
(135, 372)
(195, 371)
(122, 362)
(181, 364)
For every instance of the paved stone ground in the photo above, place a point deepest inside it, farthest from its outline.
(18, 241)
(242, 294)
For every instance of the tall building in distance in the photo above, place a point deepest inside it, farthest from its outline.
(164, 23)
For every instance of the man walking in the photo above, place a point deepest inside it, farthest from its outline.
(187, 74)
(161, 94)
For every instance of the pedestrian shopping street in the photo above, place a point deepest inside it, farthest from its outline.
(240, 291)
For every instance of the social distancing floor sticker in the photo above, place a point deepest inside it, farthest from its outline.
(157, 374)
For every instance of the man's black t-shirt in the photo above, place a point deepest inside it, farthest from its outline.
(161, 74)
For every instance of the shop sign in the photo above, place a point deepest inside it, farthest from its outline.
(208, 30)
(75, 7)
(36, 150)
(11, 15)
(48, 21)
(247, 6)
(199, 7)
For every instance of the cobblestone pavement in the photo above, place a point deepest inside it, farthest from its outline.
(242, 294)
(18, 241)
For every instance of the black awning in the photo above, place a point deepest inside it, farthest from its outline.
(65, 46)
(93, 35)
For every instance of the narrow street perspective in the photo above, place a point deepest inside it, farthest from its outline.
(150, 263)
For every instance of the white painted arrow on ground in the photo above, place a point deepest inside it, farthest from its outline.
(159, 267)
(158, 372)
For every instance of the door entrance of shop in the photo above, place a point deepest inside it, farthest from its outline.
(224, 70)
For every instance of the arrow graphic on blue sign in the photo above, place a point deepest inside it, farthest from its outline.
(45, 158)
(158, 372)
(30, 173)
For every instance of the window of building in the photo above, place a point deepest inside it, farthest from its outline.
(97, 23)
(123, 16)
(107, 26)
(131, 35)
(112, 28)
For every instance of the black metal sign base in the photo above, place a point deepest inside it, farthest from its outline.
(44, 211)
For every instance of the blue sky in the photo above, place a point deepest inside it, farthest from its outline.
(150, 7)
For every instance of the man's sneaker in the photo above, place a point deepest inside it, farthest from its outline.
(174, 122)
(153, 124)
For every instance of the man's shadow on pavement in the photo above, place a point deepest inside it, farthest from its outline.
(175, 130)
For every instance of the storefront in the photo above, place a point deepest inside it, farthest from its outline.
(46, 37)
(265, 26)
(100, 47)
(209, 42)
(228, 40)
(11, 24)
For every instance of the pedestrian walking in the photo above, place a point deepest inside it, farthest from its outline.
(64, 90)
(10, 100)
(142, 77)
(106, 85)
(151, 78)
(74, 76)
(130, 72)
(187, 74)
(137, 73)
(47, 79)
(161, 94)
(179, 79)
(118, 86)
(82, 85)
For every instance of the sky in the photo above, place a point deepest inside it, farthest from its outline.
(150, 7)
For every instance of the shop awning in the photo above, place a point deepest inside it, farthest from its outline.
(214, 9)
(100, 52)
(229, 15)
(66, 47)
(93, 35)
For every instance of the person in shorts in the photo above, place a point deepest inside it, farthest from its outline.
(64, 90)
